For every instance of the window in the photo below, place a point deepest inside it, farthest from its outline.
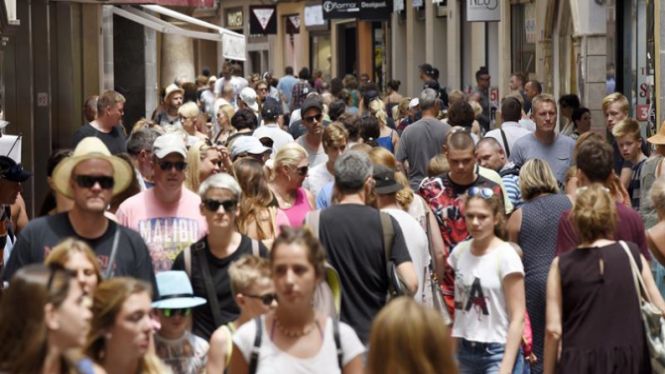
(523, 38)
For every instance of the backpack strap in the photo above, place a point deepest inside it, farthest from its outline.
(388, 236)
(114, 251)
(187, 255)
(505, 142)
(338, 344)
(312, 220)
(255, 248)
(209, 286)
(254, 356)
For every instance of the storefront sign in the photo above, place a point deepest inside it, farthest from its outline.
(234, 19)
(314, 16)
(483, 10)
(263, 20)
(293, 24)
(375, 10)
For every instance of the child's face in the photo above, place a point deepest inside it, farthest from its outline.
(629, 146)
(174, 322)
(254, 300)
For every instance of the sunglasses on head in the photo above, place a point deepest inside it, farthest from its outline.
(213, 205)
(168, 165)
(266, 299)
(316, 117)
(89, 181)
(168, 313)
(482, 192)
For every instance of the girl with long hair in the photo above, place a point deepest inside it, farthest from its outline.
(258, 213)
(388, 138)
(295, 337)
(44, 319)
(120, 338)
(203, 160)
(489, 290)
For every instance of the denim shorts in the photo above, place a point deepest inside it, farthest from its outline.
(485, 358)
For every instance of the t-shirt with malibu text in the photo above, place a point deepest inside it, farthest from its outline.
(167, 230)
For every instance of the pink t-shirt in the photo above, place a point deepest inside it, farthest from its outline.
(297, 212)
(166, 230)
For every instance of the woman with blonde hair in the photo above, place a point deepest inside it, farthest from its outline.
(388, 138)
(44, 318)
(189, 116)
(409, 338)
(594, 324)
(258, 214)
(120, 338)
(290, 169)
(532, 227)
(223, 114)
(203, 160)
(78, 258)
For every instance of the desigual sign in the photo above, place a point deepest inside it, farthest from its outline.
(364, 10)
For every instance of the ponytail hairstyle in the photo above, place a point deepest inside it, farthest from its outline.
(377, 108)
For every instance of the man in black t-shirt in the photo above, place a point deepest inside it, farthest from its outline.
(108, 125)
(218, 250)
(352, 235)
(90, 177)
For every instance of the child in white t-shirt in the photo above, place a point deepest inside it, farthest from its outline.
(489, 290)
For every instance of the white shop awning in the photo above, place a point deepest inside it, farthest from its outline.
(233, 44)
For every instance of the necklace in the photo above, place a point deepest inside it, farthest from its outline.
(294, 334)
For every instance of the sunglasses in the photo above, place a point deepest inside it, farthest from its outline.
(168, 165)
(168, 313)
(266, 299)
(482, 192)
(316, 117)
(302, 171)
(89, 181)
(213, 205)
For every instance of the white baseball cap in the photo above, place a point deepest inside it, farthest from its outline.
(248, 96)
(166, 144)
(414, 102)
(247, 144)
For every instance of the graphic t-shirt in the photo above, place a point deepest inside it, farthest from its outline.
(167, 230)
(185, 355)
(480, 305)
(446, 200)
(37, 239)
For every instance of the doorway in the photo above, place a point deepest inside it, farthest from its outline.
(347, 49)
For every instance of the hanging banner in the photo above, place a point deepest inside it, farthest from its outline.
(263, 20)
(293, 24)
(398, 5)
(314, 16)
(483, 11)
(369, 10)
(233, 46)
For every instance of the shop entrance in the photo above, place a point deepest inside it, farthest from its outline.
(347, 60)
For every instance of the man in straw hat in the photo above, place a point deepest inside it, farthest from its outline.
(167, 115)
(91, 176)
(167, 215)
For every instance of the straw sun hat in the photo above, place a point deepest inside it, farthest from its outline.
(91, 148)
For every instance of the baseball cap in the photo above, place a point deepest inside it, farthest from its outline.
(11, 171)
(169, 143)
(247, 144)
(311, 102)
(248, 96)
(271, 108)
(414, 102)
(385, 180)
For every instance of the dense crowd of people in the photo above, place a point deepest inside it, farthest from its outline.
(298, 225)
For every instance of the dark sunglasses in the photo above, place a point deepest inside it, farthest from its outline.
(213, 205)
(266, 299)
(316, 117)
(168, 313)
(482, 192)
(302, 171)
(89, 181)
(168, 165)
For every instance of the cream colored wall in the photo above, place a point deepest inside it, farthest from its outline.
(302, 42)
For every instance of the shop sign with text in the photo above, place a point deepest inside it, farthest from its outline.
(364, 10)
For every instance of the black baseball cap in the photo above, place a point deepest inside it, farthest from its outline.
(271, 108)
(11, 171)
(311, 102)
(385, 180)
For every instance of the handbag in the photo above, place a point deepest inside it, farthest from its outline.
(652, 317)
